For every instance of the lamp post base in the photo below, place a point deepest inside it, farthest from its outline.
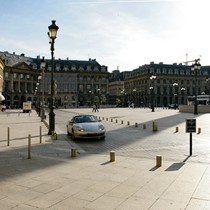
(51, 122)
(42, 114)
(195, 109)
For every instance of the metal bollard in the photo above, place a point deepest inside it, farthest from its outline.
(199, 130)
(122, 122)
(112, 156)
(40, 134)
(106, 119)
(29, 146)
(73, 152)
(128, 123)
(158, 161)
(116, 121)
(8, 136)
(177, 129)
(136, 124)
(154, 126)
(111, 120)
(54, 135)
(144, 126)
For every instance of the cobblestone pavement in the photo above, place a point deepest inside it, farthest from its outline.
(51, 179)
(132, 141)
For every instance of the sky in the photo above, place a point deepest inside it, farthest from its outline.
(120, 34)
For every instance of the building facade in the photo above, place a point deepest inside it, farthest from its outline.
(77, 83)
(1, 78)
(172, 84)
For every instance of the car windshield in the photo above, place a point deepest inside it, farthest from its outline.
(84, 119)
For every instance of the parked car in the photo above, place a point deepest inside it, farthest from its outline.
(173, 106)
(86, 126)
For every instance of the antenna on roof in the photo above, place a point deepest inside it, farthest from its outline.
(186, 58)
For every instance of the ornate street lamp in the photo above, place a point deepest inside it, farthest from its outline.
(152, 78)
(208, 82)
(182, 91)
(195, 68)
(175, 85)
(134, 98)
(42, 67)
(53, 28)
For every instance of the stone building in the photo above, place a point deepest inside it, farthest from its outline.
(1, 79)
(173, 83)
(78, 83)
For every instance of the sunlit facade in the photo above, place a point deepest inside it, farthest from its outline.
(78, 83)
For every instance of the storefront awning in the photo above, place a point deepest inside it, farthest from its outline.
(2, 98)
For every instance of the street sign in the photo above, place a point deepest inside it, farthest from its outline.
(190, 125)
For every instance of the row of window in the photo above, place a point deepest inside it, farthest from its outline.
(15, 76)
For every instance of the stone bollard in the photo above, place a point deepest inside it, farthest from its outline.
(154, 126)
(158, 161)
(29, 146)
(112, 156)
(40, 134)
(73, 152)
(177, 129)
(8, 136)
(144, 126)
(54, 135)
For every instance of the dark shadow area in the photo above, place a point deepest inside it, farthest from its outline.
(175, 166)
(154, 168)
(185, 160)
(105, 163)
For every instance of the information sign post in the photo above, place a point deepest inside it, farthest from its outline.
(190, 128)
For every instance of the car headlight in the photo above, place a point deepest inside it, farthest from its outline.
(101, 128)
(79, 128)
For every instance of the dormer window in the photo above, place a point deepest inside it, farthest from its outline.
(81, 68)
(34, 66)
(88, 68)
(57, 68)
(73, 68)
(96, 68)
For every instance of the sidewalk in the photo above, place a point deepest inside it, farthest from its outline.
(52, 179)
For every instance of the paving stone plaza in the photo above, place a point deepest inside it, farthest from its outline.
(50, 178)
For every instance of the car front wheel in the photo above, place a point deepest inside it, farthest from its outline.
(73, 135)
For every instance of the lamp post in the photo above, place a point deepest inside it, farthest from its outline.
(134, 97)
(182, 91)
(195, 68)
(53, 28)
(38, 88)
(175, 85)
(152, 79)
(208, 82)
(42, 66)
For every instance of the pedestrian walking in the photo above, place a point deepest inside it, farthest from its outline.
(94, 108)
